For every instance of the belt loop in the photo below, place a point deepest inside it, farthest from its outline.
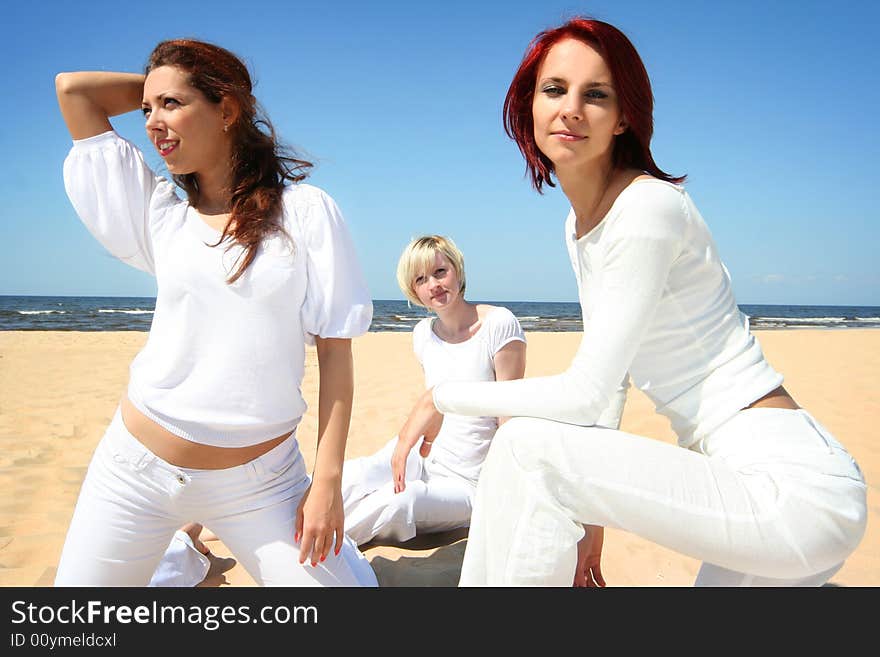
(258, 467)
(145, 458)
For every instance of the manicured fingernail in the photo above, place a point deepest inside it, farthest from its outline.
(296, 536)
(336, 551)
(324, 557)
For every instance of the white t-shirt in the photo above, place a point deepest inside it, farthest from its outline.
(463, 441)
(223, 363)
(657, 303)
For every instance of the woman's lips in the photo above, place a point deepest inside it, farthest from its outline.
(166, 147)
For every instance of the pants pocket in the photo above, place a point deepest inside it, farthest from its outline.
(284, 460)
(846, 465)
(119, 446)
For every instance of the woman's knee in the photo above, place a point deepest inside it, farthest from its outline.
(519, 441)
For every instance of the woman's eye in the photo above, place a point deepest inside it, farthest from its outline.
(171, 101)
(439, 273)
(420, 280)
(145, 110)
(596, 94)
(553, 90)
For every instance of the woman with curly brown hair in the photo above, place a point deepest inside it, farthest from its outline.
(251, 266)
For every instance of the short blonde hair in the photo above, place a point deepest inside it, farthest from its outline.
(417, 259)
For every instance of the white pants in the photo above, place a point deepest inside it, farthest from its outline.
(770, 498)
(431, 502)
(132, 502)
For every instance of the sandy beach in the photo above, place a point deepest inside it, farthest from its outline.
(58, 391)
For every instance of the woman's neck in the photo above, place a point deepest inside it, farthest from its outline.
(456, 323)
(214, 190)
(587, 189)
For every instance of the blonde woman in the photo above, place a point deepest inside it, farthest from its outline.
(394, 493)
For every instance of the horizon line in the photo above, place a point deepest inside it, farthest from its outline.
(576, 303)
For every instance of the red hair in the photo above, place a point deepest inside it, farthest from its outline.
(632, 147)
(260, 165)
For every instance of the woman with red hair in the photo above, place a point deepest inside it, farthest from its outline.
(252, 265)
(760, 492)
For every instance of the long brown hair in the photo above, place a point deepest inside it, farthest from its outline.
(260, 164)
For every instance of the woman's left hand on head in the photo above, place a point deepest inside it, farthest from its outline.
(320, 521)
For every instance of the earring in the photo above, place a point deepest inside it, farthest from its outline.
(225, 127)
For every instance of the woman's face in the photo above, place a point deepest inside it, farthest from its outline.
(439, 287)
(184, 126)
(575, 109)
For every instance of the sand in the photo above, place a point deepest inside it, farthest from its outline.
(58, 391)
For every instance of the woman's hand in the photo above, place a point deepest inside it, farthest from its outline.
(424, 422)
(589, 554)
(319, 519)
(398, 464)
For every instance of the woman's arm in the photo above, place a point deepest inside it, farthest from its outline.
(88, 98)
(424, 421)
(634, 279)
(637, 256)
(320, 516)
(510, 364)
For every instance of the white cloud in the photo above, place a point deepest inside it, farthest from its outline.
(772, 278)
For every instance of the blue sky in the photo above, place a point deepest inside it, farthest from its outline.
(770, 108)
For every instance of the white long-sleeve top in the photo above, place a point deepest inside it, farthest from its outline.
(222, 364)
(657, 303)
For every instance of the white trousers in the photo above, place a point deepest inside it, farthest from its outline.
(132, 502)
(770, 498)
(431, 502)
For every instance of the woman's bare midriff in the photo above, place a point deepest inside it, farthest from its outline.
(778, 398)
(186, 453)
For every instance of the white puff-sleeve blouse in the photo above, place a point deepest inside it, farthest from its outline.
(223, 363)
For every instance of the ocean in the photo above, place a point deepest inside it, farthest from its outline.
(35, 313)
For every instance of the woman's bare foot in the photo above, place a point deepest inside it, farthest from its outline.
(217, 565)
(208, 535)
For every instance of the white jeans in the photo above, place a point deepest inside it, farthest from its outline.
(432, 501)
(132, 502)
(770, 498)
